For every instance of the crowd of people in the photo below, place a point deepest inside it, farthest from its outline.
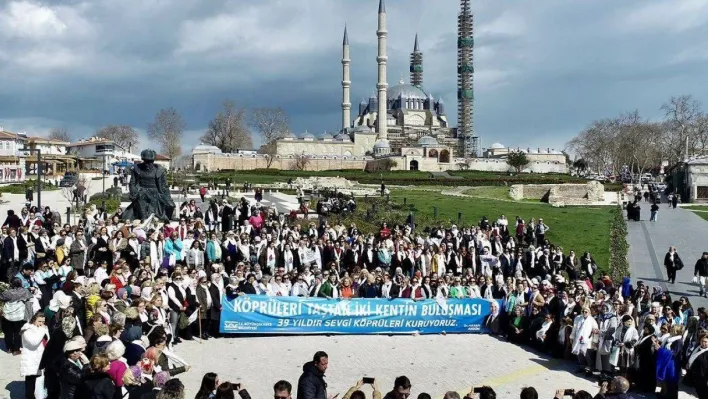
(102, 304)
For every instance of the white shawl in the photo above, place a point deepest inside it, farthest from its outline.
(696, 352)
(582, 332)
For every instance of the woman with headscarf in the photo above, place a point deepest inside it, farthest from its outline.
(607, 326)
(626, 337)
(644, 368)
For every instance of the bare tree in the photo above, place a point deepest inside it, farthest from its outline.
(123, 135)
(681, 114)
(60, 133)
(271, 124)
(228, 130)
(167, 130)
(301, 162)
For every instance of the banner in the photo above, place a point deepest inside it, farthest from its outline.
(259, 314)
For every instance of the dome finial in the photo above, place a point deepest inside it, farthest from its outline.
(401, 82)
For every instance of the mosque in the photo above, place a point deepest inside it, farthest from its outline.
(414, 123)
(404, 123)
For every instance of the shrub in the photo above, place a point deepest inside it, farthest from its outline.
(619, 248)
(112, 202)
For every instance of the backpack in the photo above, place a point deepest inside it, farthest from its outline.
(14, 311)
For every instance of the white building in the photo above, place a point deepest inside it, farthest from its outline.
(12, 160)
(100, 154)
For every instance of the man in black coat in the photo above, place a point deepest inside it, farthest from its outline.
(311, 384)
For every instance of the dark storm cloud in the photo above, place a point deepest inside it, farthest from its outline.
(544, 69)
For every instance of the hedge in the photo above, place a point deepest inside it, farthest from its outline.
(619, 247)
(21, 188)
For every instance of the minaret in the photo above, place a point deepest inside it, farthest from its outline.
(381, 86)
(465, 80)
(346, 104)
(416, 65)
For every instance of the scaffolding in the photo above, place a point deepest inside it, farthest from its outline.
(465, 81)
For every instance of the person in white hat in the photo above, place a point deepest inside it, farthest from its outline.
(73, 364)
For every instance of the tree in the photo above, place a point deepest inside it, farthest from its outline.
(228, 130)
(60, 133)
(271, 124)
(518, 160)
(682, 115)
(167, 130)
(123, 135)
(301, 162)
(270, 150)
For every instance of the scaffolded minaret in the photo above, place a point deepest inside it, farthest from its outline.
(381, 85)
(346, 82)
(465, 80)
(416, 65)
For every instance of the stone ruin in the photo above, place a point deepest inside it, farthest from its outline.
(591, 193)
(309, 183)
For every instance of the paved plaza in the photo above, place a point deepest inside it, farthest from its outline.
(649, 242)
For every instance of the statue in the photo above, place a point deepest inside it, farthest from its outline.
(148, 191)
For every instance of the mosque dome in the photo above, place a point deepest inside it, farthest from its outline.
(382, 144)
(497, 146)
(407, 91)
(361, 129)
(343, 137)
(326, 136)
(307, 135)
(206, 149)
(427, 141)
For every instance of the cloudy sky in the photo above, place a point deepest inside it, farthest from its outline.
(544, 68)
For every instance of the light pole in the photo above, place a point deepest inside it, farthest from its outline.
(104, 173)
(39, 172)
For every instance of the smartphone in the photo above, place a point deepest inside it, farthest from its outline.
(477, 390)
(369, 380)
(569, 392)
(236, 387)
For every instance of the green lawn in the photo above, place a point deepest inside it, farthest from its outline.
(574, 228)
(702, 213)
(489, 192)
(459, 178)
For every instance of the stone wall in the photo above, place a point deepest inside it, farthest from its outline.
(216, 162)
(592, 192)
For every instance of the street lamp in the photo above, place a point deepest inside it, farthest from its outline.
(39, 172)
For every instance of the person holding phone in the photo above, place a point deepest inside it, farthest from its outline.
(355, 391)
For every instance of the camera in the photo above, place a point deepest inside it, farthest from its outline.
(569, 392)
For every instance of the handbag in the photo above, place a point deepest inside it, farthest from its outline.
(614, 356)
(183, 321)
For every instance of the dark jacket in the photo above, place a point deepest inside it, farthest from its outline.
(97, 386)
(311, 384)
(701, 268)
(70, 376)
